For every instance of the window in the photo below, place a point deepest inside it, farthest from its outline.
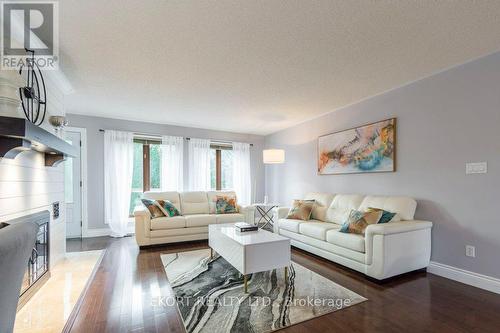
(147, 166)
(221, 167)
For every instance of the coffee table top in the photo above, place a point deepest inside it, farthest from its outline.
(249, 237)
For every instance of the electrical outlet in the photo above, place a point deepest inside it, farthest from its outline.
(470, 251)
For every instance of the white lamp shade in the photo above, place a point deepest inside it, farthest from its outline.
(273, 156)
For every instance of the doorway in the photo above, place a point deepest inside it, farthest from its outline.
(73, 185)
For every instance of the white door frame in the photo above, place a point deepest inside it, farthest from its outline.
(83, 168)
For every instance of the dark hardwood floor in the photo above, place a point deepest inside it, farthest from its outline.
(119, 298)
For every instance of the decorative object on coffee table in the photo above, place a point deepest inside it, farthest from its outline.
(368, 148)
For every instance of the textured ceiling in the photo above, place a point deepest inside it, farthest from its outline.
(258, 66)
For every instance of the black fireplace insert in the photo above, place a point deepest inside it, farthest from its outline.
(38, 263)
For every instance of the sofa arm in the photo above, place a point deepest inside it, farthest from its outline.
(280, 213)
(249, 213)
(141, 211)
(396, 227)
(142, 225)
(397, 247)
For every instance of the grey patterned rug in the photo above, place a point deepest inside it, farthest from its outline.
(210, 295)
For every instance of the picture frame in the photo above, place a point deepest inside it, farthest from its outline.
(369, 148)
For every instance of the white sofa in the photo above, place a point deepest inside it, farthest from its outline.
(198, 211)
(386, 249)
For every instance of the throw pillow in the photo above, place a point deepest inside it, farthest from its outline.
(226, 205)
(386, 216)
(358, 221)
(167, 208)
(154, 210)
(301, 210)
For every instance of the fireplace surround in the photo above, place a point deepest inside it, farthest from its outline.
(37, 268)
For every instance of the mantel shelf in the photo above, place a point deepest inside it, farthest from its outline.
(18, 135)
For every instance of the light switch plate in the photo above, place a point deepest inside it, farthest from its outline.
(474, 168)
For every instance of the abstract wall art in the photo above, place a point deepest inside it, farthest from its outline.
(368, 148)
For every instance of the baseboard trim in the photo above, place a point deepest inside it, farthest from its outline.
(103, 232)
(461, 275)
(97, 232)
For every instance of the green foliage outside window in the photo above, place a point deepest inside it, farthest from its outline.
(155, 166)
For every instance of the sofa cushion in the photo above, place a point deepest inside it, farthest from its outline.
(161, 223)
(200, 220)
(341, 207)
(180, 232)
(321, 203)
(230, 218)
(404, 207)
(291, 225)
(173, 197)
(194, 203)
(212, 198)
(349, 241)
(317, 229)
(329, 247)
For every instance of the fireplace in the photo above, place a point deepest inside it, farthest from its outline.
(37, 270)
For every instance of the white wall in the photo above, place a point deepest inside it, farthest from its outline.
(26, 184)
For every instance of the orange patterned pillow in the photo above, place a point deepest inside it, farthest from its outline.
(226, 205)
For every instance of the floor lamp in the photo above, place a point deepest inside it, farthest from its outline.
(272, 156)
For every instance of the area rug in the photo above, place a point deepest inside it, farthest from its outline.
(210, 295)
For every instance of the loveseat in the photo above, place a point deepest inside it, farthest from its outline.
(386, 250)
(197, 212)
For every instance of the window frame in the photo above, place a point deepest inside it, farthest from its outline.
(146, 160)
(218, 147)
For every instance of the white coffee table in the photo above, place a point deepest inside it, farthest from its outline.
(249, 252)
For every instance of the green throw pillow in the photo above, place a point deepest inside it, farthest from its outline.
(168, 208)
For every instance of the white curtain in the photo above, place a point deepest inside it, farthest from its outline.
(241, 172)
(199, 164)
(172, 161)
(118, 166)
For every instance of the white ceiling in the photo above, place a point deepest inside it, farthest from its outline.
(258, 66)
